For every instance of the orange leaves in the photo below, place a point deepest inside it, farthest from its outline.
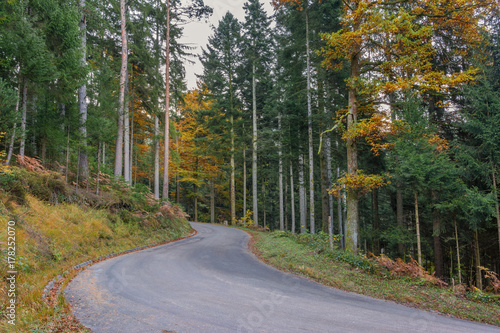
(30, 163)
(411, 269)
(397, 43)
(196, 162)
(493, 278)
(360, 182)
(439, 144)
(374, 130)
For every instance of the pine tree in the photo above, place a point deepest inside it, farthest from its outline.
(220, 60)
(82, 97)
(121, 98)
(257, 50)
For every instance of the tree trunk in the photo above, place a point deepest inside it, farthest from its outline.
(11, 144)
(136, 163)
(82, 99)
(328, 157)
(330, 232)
(44, 150)
(438, 250)
(302, 196)
(33, 133)
(167, 110)
(24, 119)
(400, 216)
(458, 251)
(157, 160)
(233, 167)
(417, 221)
(352, 232)
(212, 201)
(121, 100)
(254, 150)
(376, 223)
(339, 213)
(479, 278)
(63, 130)
(126, 134)
(264, 203)
(233, 170)
(286, 203)
(13, 136)
(310, 129)
(323, 161)
(327, 178)
(292, 198)
(177, 176)
(132, 114)
(244, 181)
(325, 204)
(195, 203)
(67, 158)
(77, 173)
(280, 182)
(98, 177)
(497, 207)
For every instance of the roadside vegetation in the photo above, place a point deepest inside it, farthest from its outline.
(59, 226)
(404, 282)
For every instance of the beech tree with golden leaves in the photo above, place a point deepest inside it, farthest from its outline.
(389, 47)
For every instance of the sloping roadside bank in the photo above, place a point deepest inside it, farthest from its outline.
(348, 274)
(55, 287)
(57, 228)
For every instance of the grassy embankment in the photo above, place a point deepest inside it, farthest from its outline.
(58, 227)
(311, 257)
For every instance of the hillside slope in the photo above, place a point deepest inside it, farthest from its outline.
(57, 226)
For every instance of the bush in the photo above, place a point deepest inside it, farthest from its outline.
(47, 185)
(320, 244)
(13, 187)
(127, 217)
(410, 269)
(482, 297)
(355, 260)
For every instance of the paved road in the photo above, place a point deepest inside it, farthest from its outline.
(211, 283)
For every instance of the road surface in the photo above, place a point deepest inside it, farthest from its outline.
(212, 283)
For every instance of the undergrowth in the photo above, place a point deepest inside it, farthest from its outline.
(401, 281)
(59, 226)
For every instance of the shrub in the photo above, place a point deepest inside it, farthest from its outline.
(13, 187)
(411, 269)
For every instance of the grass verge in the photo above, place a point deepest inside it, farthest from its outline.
(351, 273)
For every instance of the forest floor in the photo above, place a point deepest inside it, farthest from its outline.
(56, 227)
(357, 274)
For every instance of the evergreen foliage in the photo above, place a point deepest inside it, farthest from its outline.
(403, 100)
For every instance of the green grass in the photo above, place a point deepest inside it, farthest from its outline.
(357, 274)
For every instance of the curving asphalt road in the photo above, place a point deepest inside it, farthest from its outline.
(212, 283)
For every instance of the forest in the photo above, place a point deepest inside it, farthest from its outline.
(378, 120)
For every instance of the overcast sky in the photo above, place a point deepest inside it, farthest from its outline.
(196, 33)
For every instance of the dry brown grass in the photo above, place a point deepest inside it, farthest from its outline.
(411, 269)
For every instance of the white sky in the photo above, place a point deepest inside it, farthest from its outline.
(196, 33)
